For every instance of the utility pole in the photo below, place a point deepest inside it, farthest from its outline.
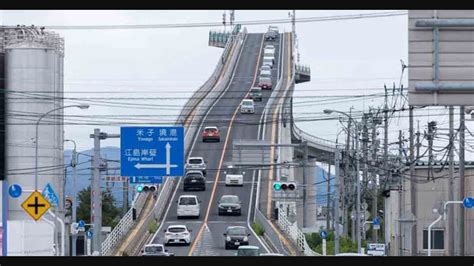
(96, 197)
(232, 18)
(224, 20)
(431, 132)
(365, 150)
(374, 178)
(328, 206)
(125, 196)
(96, 213)
(336, 202)
(346, 174)
(412, 184)
(451, 182)
(305, 162)
(357, 192)
(385, 172)
(400, 193)
(462, 179)
(74, 195)
(418, 140)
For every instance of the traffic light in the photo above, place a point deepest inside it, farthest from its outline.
(284, 186)
(147, 188)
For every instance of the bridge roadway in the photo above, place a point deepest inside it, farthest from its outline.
(207, 238)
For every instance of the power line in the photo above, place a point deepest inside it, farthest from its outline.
(219, 24)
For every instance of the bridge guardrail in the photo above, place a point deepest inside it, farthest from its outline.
(302, 135)
(295, 233)
(126, 223)
(123, 226)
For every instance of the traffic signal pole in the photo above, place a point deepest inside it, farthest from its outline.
(96, 197)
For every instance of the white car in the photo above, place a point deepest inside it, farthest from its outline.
(265, 68)
(188, 206)
(268, 61)
(196, 163)
(247, 106)
(266, 73)
(177, 234)
(233, 176)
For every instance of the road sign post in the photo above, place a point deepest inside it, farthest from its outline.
(149, 153)
(324, 235)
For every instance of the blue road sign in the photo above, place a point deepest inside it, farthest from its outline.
(81, 223)
(152, 151)
(376, 221)
(468, 202)
(146, 179)
(89, 234)
(50, 195)
(323, 234)
(14, 190)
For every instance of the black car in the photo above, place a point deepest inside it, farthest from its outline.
(194, 180)
(236, 236)
(229, 204)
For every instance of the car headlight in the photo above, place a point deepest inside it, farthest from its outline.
(228, 238)
(246, 239)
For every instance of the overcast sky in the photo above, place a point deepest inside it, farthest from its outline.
(347, 57)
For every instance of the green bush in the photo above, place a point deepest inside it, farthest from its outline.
(345, 244)
(152, 227)
(258, 229)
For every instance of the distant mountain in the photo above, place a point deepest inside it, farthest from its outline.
(84, 172)
(322, 185)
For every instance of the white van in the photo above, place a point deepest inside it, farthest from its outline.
(188, 205)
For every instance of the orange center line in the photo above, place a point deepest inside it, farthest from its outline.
(222, 160)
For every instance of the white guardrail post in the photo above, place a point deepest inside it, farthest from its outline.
(124, 225)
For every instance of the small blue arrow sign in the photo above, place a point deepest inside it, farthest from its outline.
(81, 223)
(14, 190)
(323, 234)
(89, 234)
(468, 202)
(50, 195)
(376, 221)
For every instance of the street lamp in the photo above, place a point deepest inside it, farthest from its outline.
(74, 162)
(358, 226)
(81, 106)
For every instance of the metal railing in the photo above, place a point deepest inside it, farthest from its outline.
(295, 234)
(122, 228)
(126, 223)
(160, 205)
(303, 69)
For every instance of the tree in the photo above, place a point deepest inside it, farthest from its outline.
(109, 211)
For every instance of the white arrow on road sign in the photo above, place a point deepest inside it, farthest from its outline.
(168, 164)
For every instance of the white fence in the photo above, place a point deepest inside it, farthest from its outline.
(292, 230)
(122, 228)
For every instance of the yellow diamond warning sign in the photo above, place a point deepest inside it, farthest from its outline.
(36, 205)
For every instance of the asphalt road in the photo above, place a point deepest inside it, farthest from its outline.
(243, 126)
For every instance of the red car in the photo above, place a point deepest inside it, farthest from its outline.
(265, 83)
(211, 134)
